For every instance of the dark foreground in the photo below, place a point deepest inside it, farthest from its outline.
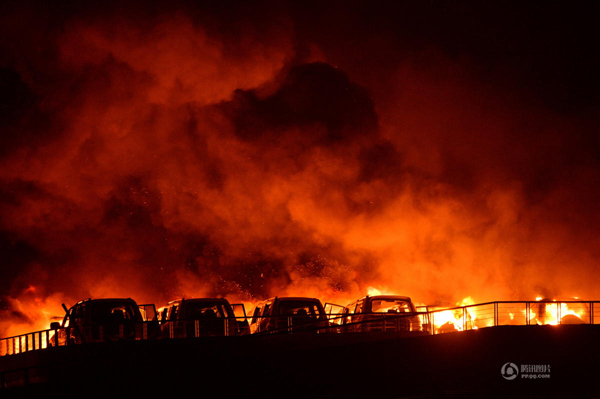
(564, 360)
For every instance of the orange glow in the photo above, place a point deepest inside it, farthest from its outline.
(37, 315)
(554, 311)
(172, 156)
(454, 320)
(546, 313)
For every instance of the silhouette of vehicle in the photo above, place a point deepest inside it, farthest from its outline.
(196, 317)
(93, 320)
(560, 311)
(289, 314)
(380, 313)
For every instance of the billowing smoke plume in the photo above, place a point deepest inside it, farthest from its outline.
(164, 152)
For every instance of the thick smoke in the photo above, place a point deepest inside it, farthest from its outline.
(171, 151)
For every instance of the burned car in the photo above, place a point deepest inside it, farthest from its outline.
(380, 313)
(289, 314)
(196, 317)
(546, 311)
(93, 320)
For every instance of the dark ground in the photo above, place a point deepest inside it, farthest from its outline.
(455, 365)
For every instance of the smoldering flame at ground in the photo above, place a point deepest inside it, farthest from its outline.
(171, 155)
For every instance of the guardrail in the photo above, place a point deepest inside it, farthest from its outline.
(127, 331)
(289, 324)
(26, 342)
(194, 328)
(74, 335)
(470, 317)
(518, 313)
(432, 321)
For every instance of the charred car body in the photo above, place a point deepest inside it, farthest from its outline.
(380, 313)
(566, 311)
(289, 314)
(186, 318)
(93, 320)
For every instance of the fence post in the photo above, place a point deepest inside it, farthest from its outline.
(496, 316)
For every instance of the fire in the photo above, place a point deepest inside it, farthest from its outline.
(456, 320)
(540, 312)
(566, 311)
(372, 291)
(165, 156)
(34, 315)
(556, 312)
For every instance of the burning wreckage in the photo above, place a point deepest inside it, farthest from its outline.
(113, 333)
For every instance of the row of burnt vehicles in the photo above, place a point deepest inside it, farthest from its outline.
(94, 320)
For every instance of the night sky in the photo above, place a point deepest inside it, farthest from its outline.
(156, 150)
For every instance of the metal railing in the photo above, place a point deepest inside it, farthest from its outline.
(289, 324)
(194, 328)
(433, 321)
(146, 330)
(471, 317)
(75, 335)
(515, 313)
(25, 343)
(380, 322)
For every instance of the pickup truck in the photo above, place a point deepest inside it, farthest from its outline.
(378, 313)
(93, 320)
(195, 317)
(289, 315)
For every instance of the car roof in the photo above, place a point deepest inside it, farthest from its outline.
(206, 299)
(403, 298)
(222, 300)
(88, 300)
(286, 299)
(293, 298)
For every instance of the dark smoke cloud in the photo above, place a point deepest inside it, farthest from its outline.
(310, 94)
(159, 150)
